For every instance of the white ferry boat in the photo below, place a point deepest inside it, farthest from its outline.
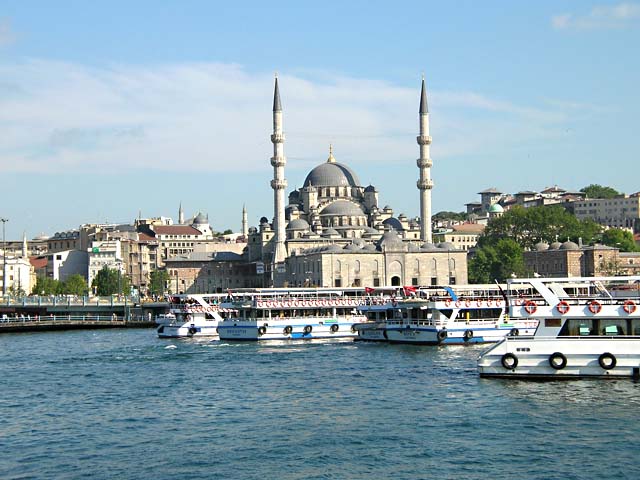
(191, 315)
(296, 313)
(441, 315)
(589, 327)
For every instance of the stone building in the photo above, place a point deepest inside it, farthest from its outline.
(619, 212)
(568, 259)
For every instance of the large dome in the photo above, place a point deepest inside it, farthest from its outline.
(332, 175)
(342, 207)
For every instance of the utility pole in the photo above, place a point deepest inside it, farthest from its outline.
(4, 258)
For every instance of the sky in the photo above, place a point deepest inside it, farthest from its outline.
(110, 110)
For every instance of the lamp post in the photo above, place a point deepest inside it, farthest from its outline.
(4, 258)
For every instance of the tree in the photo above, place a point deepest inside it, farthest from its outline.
(46, 286)
(75, 285)
(158, 281)
(598, 191)
(444, 215)
(528, 226)
(618, 238)
(110, 282)
(497, 261)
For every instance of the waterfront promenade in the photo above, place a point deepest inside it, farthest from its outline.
(44, 313)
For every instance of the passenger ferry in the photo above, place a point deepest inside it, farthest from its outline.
(289, 314)
(191, 315)
(441, 315)
(589, 327)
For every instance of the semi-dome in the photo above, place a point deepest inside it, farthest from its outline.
(555, 246)
(390, 238)
(446, 246)
(342, 207)
(331, 233)
(352, 247)
(393, 223)
(568, 245)
(369, 247)
(298, 224)
(331, 175)
(428, 247)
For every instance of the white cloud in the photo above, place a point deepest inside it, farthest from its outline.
(217, 117)
(600, 17)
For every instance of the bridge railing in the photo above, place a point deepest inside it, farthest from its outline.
(69, 300)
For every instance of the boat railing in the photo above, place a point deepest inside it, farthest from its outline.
(572, 338)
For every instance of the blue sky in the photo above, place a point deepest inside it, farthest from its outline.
(111, 109)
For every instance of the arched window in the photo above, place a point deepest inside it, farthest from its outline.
(338, 266)
(356, 266)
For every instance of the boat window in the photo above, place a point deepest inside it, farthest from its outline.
(635, 326)
(613, 327)
(578, 327)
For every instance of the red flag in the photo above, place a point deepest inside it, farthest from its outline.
(408, 290)
(369, 290)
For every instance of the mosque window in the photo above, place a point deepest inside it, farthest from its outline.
(356, 267)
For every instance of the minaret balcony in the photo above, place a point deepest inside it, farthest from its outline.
(277, 138)
(278, 184)
(278, 161)
(424, 163)
(426, 184)
(424, 139)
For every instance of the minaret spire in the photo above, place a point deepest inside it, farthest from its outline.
(25, 248)
(278, 161)
(425, 184)
(180, 215)
(245, 224)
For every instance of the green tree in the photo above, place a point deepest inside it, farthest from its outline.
(75, 285)
(158, 281)
(618, 238)
(528, 226)
(444, 215)
(497, 261)
(46, 286)
(598, 191)
(109, 282)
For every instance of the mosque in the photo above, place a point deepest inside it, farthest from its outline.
(333, 233)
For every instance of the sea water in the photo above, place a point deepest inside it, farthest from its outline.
(123, 404)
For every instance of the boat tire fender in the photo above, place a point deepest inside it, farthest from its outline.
(468, 335)
(262, 330)
(192, 330)
(514, 332)
(607, 361)
(509, 361)
(557, 361)
(442, 334)
(307, 329)
(334, 328)
(287, 330)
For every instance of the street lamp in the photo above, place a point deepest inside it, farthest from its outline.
(4, 258)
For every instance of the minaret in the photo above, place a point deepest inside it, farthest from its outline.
(425, 184)
(25, 248)
(278, 183)
(180, 215)
(245, 225)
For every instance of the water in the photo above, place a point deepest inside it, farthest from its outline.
(124, 404)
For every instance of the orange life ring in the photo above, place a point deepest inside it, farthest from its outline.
(467, 303)
(594, 306)
(478, 303)
(447, 302)
(489, 302)
(562, 307)
(629, 306)
(458, 303)
(530, 307)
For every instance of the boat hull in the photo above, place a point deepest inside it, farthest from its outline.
(290, 329)
(562, 358)
(188, 330)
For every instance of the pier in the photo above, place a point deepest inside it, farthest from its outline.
(46, 313)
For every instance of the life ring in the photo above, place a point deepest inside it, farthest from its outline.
(442, 335)
(334, 328)
(447, 302)
(509, 361)
(307, 329)
(562, 307)
(514, 332)
(530, 307)
(262, 330)
(607, 361)
(629, 306)
(467, 303)
(287, 330)
(458, 303)
(468, 335)
(353, 328)
(557, 361)
(478, 303)
(594, 306)
(489, 302)
(193, 330)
